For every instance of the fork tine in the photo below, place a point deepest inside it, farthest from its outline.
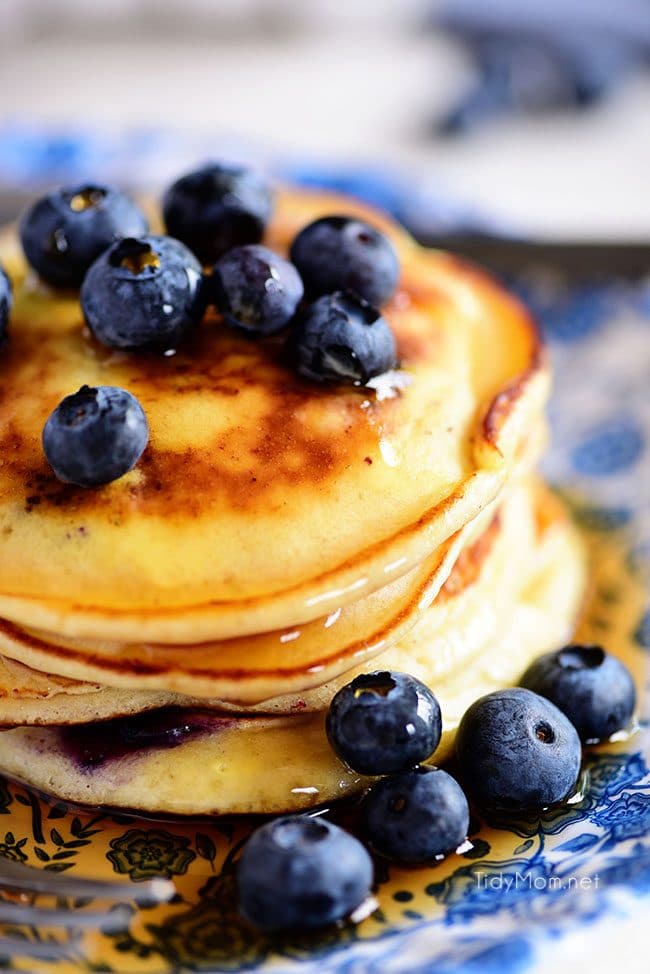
(18, 876)
(108, 921)
(14, 947)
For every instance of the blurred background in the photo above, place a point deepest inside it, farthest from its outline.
(528, 117)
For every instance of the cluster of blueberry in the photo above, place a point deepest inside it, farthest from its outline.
(516, 749)
(144, 293)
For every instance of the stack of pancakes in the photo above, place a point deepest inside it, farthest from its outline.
(170, 642)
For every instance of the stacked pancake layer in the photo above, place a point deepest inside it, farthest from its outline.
(276, 538)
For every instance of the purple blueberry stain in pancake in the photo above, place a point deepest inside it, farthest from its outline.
(91, 746)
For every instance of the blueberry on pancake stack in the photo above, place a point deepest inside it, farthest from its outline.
(246, 457)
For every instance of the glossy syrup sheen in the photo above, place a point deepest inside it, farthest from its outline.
(203, 928)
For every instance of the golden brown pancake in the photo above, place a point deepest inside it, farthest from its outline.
(254, 668)
(483, 574)
(240, 672)
(262, 501)
(36, 695)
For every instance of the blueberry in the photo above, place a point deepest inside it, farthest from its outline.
(416, 815)
(594, 689)
(298, 871)
(341, 253)
(516, 750)
(5, 303)
(384, 722)
(217, 208)
(143, 293)
(341, 338)
(95, 436)
(256, 290)
(64, 232)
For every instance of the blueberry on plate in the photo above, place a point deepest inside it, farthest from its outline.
(342, 253)
(5, 303)
(217, 208)
(593, 688)
(143, 293)
(341, 338)
(416, 816)
(95, 436)
(255, 289)
(384, 722)
(63, 232)
(298, 871)
(516, 750)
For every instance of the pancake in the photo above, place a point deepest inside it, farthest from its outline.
(463, 647)
(30, 693)
(262, 501)
(253, 668)
(256, 672)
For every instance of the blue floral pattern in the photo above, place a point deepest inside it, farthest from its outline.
(626, 818)
(614, 446)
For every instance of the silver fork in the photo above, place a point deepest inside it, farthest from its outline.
(32, 883)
